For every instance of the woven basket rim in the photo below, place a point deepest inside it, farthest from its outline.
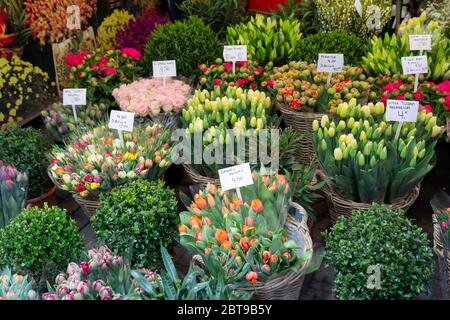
(330, 189)
(301, 114)
(198, 178)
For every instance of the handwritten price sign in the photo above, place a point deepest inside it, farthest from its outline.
(74, 97)
(330, 62)
(121, 120)
(167, 68)
(419, 42)
(235, 177)
(415, 65)
(235, 53)
(402, 110)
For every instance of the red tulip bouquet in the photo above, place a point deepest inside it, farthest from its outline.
(246, 235)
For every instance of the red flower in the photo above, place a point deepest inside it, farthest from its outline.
(240, 63)
(258, 71)
(270, 83)
(241, 82)
(253, 86)
(88, 178)
(206, 70)
(227, 66)
(217, 82)
(85, 267)
(132, 53)
(80, 187)
(447, 103)
(103, 61)
(391, 86)
(400, 98)
(426, 107)
(418, 96)
(74, 60)
(443, 87)
(295, 104)
(384, 99)
(110, 71)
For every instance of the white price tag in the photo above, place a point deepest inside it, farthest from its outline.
(358, 7)
(402, 110)
(415, 65)
(235, 53)
(419, 42)
(121, 120)
(235, 177)
(330, 62)
(74, 97)
(167, 68)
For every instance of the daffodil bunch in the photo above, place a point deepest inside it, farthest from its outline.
(359, 152)
(247, 235)
(95, 161)
(22, 86)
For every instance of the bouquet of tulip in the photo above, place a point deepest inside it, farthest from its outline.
(441, 207)
(102, 71)
(212, 113)
(48, 18)
(248, 75)
(247, 234)
(95, 161)
(148, 97)
(13, 192)
(299, 85)
(102, 276)
(360, 154)
(22, 86)
(16, 286)
(60, 122)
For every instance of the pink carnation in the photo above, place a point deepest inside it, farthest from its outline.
(443, 87)
(426, 107)
(217, 82)
(132, 53)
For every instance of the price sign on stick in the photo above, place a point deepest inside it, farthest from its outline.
(234, 53)
(121, 121)
(236, 177)
(74, 97)
(401, 111)
(330, 63)
(415, 65)
(164, 69)
(419, 42)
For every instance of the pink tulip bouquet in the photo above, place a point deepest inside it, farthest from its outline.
(95, 161)
(148, 97)
(102, 276)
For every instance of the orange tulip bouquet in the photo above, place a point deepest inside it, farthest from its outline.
(247, 236)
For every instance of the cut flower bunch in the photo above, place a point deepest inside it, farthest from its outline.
(359, 152)
(148, 97)
(246, 235)
(95, 162)
(60, 121)
(102, 71)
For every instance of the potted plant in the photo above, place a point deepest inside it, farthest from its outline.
(39, 242)
(303, 95)
(139, 216)
(261, 247)
(26, 149)
(378, 254)
(363, 162)
(94, 161)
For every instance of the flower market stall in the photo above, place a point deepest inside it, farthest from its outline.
(225, 155)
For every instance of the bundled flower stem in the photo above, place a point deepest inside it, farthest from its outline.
(13, 192)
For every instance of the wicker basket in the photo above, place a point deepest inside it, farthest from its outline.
(289, 284)
(339, 205)
(199, 179)
(301, 122)
(442, 251)
(88, 206)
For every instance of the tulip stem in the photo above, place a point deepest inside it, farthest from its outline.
(74, 109)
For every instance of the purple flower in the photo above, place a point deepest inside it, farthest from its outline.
(105, 292)
(48, 296)
(98, 284)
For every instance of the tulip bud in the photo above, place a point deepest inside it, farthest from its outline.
(320, 134)
(366, 111)
(372, 162)
(422, 153)
(315, 125)
(351, 122)
(323, 145)
(324, 121)
(338, 154)
(331, 132)
(383, 154)
(413, 162)
(421, 116)
(368, 148)
(435, 131)
(361, 159)
(362, 136)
